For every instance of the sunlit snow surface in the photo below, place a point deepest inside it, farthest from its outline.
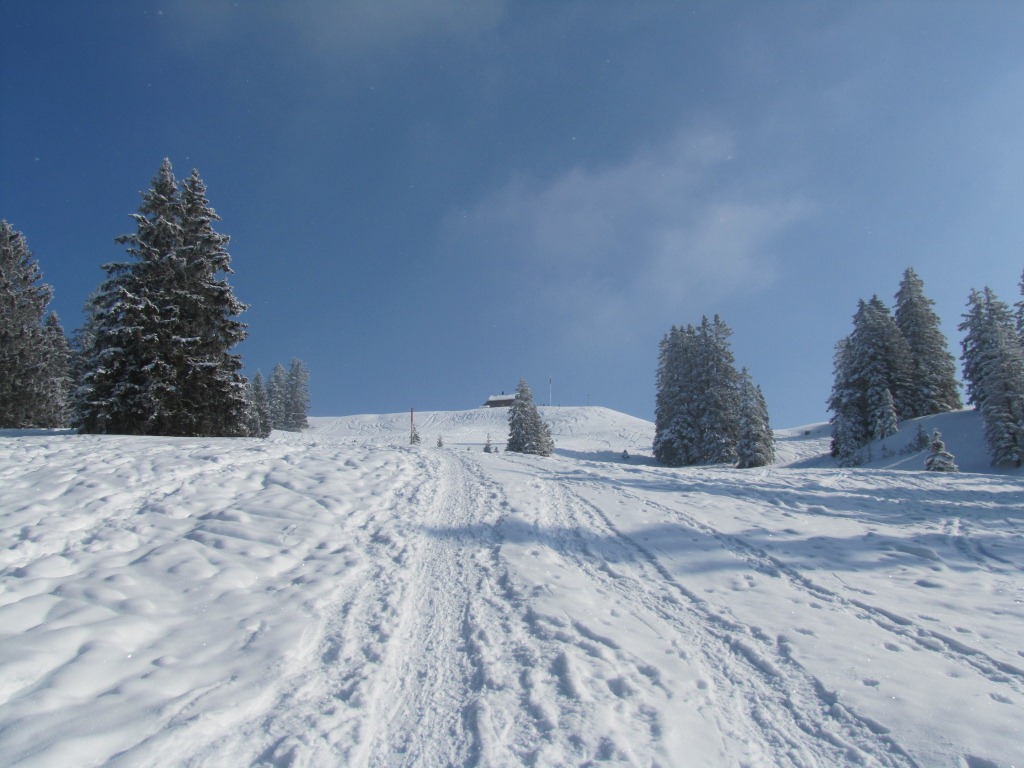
(341, 598)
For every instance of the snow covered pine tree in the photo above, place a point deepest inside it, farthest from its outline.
(994, 370)
(34, 361)
(257, 407)
(527, 432)
(756, 444)
(296, 396)
(161, 327)
(939, 459)
(873, 381)
(698, 416)
(934, 386)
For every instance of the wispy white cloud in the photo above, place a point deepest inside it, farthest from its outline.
(666, 233)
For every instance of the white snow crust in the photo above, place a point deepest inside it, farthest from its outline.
(340, 598)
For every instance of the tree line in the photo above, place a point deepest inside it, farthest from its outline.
(894, 365)
(155, 353)
(897, 365)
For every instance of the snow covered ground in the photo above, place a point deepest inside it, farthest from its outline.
(341, 598)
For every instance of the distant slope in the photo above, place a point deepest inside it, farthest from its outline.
(601, 434)
(962, 432)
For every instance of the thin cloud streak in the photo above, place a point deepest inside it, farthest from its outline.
(666, 233)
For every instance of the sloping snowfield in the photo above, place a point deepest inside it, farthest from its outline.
(339, 598)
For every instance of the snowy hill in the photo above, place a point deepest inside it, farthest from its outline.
(341, 598)
(595, 431)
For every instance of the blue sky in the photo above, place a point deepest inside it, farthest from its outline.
(430, 200)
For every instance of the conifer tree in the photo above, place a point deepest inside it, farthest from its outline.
(211, 385)
(1020, 312)
(756, 444)
(24, 344)
(55, 376)
(128, 382)
(993, 363)
(939, 459)
(527, 431)
(935, 388)
(718, 390)
(697, 411)
(670, 413)
(873, 382)
(257, 407)
(296, 397)
(277, 394)
(162, 325)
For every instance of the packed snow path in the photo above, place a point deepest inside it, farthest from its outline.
(337, 598)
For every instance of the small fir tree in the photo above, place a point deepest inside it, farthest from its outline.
(939, 459)
(527, 431)
(440, 441)
(488, 448)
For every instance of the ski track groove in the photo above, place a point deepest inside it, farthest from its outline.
(758, 667)
(904, 628)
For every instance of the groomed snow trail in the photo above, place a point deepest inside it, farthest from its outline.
(767, 709)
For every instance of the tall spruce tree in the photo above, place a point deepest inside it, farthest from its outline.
(56, 376)
(210, 385)
(33, 360)
(161, 326)
(1020, 312)
(257, 407)
(993, 363)
(756, 444)
(296, 397)
(128, 382)
(277, 394)
(873, 384)
(717, 378)
(527, 432)
(934, 388)
(849, 425)
(698, 398)
(670, 447)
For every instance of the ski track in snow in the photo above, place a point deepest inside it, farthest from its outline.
(339, 598)
(761, 696)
